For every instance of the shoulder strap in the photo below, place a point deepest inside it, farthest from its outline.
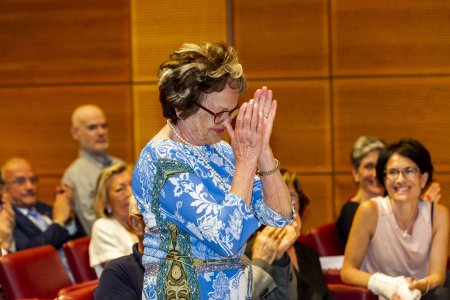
(432, 213)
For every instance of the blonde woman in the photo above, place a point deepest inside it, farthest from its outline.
(112, 235)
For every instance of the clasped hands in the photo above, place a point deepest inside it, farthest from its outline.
(271, 242)
(254, 123)
(394, 288)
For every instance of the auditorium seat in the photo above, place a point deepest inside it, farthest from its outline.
(325, 240)
(77, 254)
(35, 272)
(332, 276)
(350, 292)
(82, 291)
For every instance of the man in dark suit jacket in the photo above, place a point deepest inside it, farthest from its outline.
(37, 223)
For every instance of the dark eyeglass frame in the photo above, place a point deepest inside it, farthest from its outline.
(229, 114)
(408, 173)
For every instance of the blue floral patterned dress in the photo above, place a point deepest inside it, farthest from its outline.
(196, 230)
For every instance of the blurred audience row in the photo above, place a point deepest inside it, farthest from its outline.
(394, 229)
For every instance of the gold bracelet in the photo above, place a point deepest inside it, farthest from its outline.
(428, 288)
(267, 173)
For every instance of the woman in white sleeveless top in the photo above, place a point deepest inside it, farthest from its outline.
(398, 243)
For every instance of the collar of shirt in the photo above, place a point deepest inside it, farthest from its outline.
(104, 161)
(23, 211)
(40, 220)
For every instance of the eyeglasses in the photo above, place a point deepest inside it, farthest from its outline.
(294, 195)
(222, 116)
(23, 180)
(408, 173)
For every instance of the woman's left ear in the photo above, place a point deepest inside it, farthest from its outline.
(423, 179)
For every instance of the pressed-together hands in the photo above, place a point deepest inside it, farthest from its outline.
(267, 242)
(432, 193)
(7, 223)
(396, 288)
(250, 140)
(271, 243)
(62, 208)
(253, 129)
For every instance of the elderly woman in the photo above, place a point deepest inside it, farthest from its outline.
(199, 196)
(364, 157)
(400, 234)
(112, 235)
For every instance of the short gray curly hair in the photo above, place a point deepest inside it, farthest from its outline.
(363, 145)
(193, 71)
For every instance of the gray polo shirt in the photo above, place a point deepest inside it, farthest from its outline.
(83, 174)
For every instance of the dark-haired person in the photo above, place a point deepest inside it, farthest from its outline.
(364, 157)
(284, 268)
(199, 195)
(398, 243)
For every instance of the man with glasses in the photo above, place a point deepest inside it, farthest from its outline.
(37, 223)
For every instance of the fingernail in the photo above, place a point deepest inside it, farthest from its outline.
(251, 101)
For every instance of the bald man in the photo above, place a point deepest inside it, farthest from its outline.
(36, 223)
(90, 130)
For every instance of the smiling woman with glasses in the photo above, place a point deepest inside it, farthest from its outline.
(199, 195)
(398, 243)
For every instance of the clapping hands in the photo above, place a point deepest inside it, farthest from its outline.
(7, 223)
(271, 242)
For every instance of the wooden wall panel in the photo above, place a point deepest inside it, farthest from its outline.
(46, 188)
(392, 108)
(161, 27)
(320, 210)
(390, 37)
(286, 38)
(36, 123)
(50, 41)
(148, 118)
(301, 134)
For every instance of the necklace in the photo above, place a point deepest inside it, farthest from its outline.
(406, 232)
(192, 147)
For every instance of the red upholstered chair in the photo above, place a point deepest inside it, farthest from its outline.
(350, 292)
(332, 276)
(325, 240)
(36, 272)
(82, 291)
(77, 254)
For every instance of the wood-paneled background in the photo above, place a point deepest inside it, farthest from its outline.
(339, 69)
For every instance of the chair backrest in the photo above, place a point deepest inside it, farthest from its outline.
(350, 292)
(35, 272)
(81, 291)
(325, 240)
(77, 254)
